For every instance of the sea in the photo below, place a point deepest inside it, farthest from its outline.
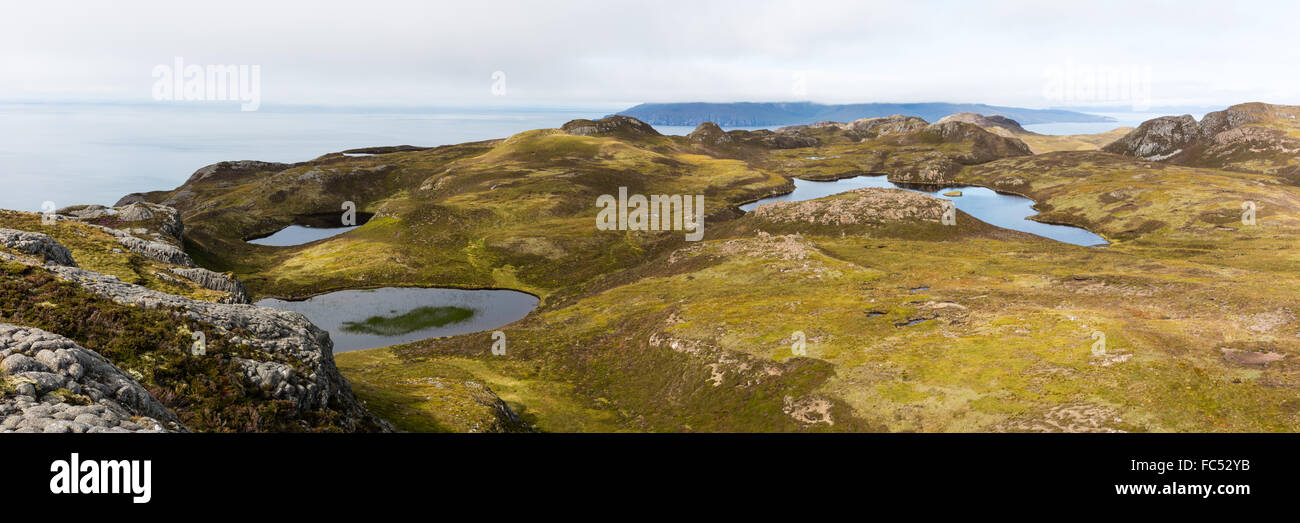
(95, 153)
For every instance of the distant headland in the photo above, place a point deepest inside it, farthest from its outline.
(741, 114)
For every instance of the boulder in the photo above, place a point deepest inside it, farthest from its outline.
(37, 244)
(55, 385)
(215, 281)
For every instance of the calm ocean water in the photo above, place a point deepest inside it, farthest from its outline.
(96, 153)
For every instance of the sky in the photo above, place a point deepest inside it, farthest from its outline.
(614, 54)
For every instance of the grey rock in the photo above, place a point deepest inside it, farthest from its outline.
(37, 244)
(217, 282)
(616, 125)
(160, 251)
(135, 212)
(17, 363)
(69, 366)
(85, 212)
(313, 383)
(1158, 139)
(44, 381)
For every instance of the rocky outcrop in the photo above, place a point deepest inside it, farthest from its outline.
(1158, 139)
(861, 129)
(159, 222)
(222, 170)
(930, 169)
(868, 128)
(708, 133)
(869, 206)
(37, 244)
(987, 121)
(990, 122)
(385, 149)
(51, 384)
(281, 336)
(167, 220)
(504, 419)
(85, 212)
(163, 252)
(165, 230)
(155, 249)
(216, 281)
(296, 362)
(787, 140)
(985, 146)
(1257, 128)
(905, 131)
(624, 127)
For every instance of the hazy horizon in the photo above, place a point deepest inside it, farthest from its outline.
(616, 55)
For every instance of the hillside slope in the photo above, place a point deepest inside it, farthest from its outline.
(857, 312)
(1251, 137)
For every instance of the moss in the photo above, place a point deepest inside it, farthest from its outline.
(69, 397)
(93, 249)
(208, 393)
(410, 321)
(647, 332)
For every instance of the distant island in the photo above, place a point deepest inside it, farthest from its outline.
(794, 113)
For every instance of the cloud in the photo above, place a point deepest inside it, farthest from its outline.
(611, 52)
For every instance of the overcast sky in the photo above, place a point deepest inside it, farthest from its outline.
(610, 53)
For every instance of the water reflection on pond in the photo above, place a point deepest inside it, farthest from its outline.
(1003, 210)
(363, 319)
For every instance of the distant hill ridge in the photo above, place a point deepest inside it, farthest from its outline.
(795, 113)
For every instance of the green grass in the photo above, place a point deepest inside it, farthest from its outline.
(646, 332)
(208, 394)
(410, 321)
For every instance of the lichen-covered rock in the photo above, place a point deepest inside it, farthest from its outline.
(989, 122)
(283, 338)
(931, 169)
(216, 281)
(1158, 139)
(167, 220)
(85, 212)
(617, 126)
(1221, 139)
(163, 252)
(889, 125)
(134, 216)
(868, 206)
(986, 146)
(37, 244)
(502, 418)
(787, 140)
(51, 384)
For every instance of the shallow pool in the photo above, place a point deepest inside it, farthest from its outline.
(364, 319)
(1003, 210)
